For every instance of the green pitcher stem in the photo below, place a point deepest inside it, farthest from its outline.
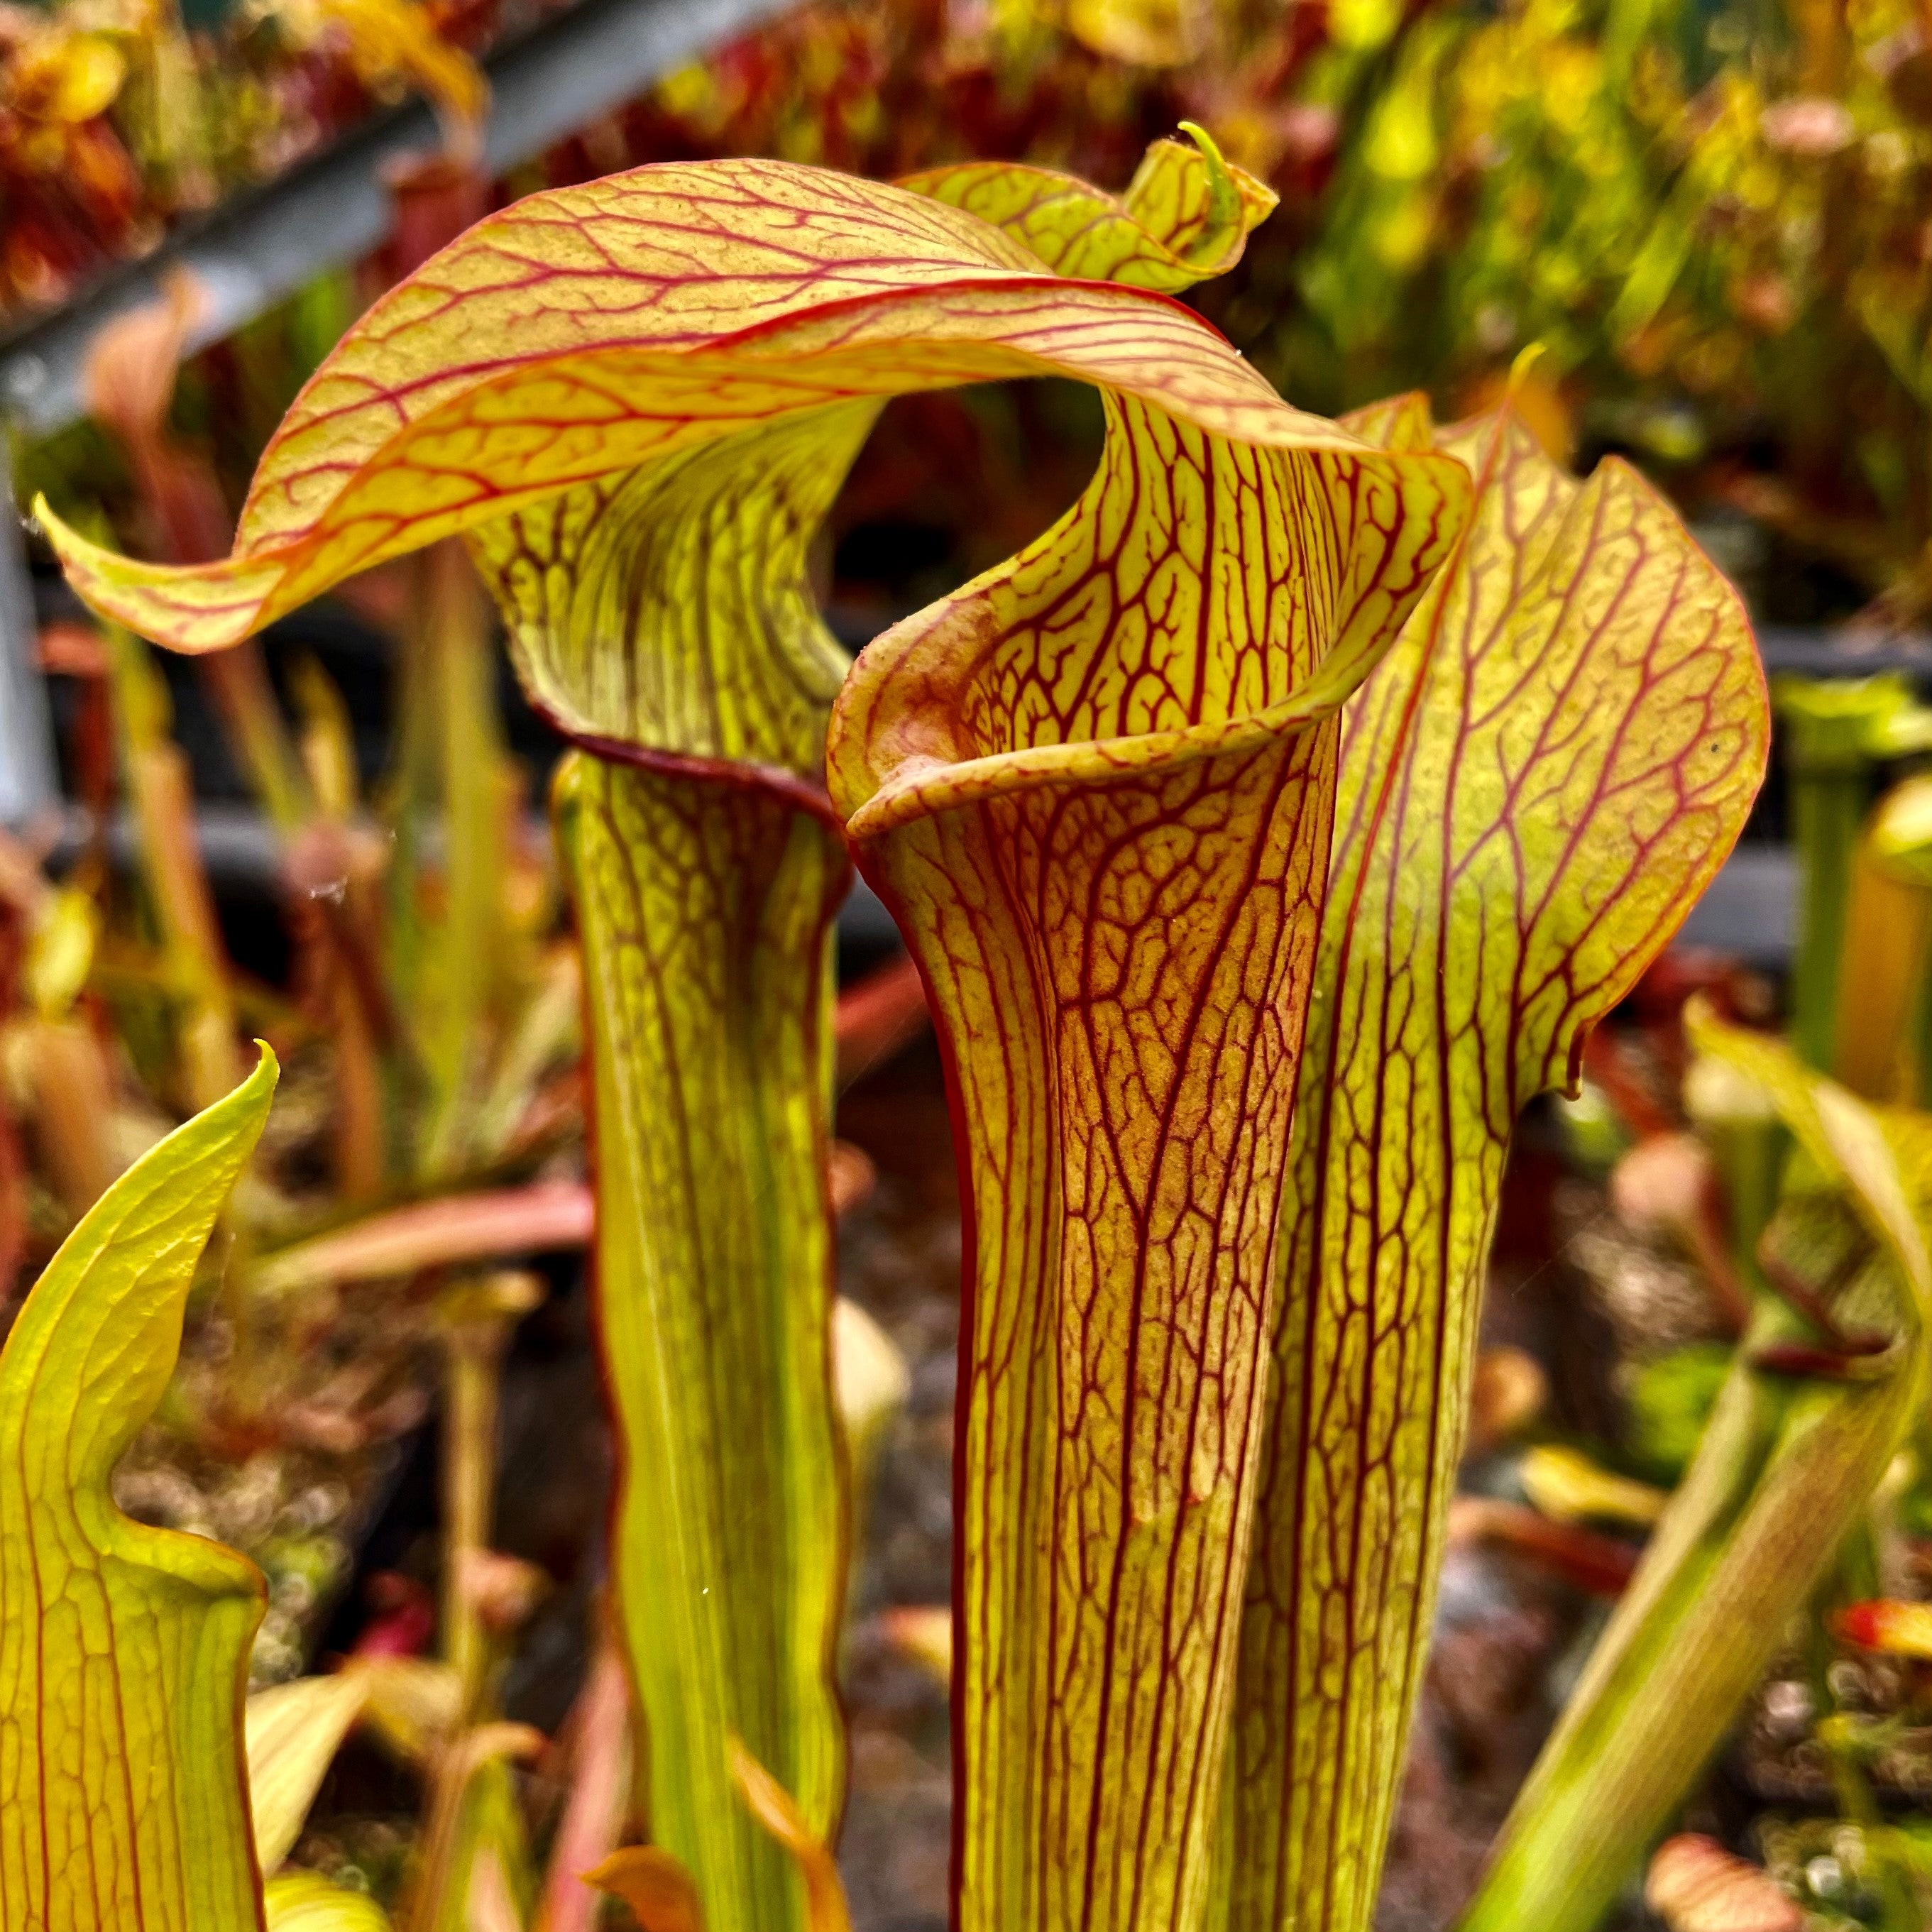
(463, 679)
(470, 1438)
(478, 1316)
(1827, 809)
(704, 901)
(238, 680)
(1784, 1467)
(1833, 735)
(1750, 1156)
(1921, 1034)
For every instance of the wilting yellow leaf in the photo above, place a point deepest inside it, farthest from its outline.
(414, 1705)
(1566, 1485)
(658, 1889)
(1145, 33)
(397, 39)
(771, 1804)
(306, 1902)
(293, 1732)
(65, 77)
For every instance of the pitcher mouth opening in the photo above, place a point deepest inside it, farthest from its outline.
(923, 786)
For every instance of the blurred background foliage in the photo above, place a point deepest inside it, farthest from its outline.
(1716, 218)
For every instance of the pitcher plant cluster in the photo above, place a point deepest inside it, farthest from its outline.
(1267, 834)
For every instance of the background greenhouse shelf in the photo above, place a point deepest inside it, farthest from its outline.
(259, 248)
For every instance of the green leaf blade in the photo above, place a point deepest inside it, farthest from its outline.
(123, 1649)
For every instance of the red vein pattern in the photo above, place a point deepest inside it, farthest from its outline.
(583, 332)
(1095, 790)
(671, 606)
(636, 398)
(1536, 784)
